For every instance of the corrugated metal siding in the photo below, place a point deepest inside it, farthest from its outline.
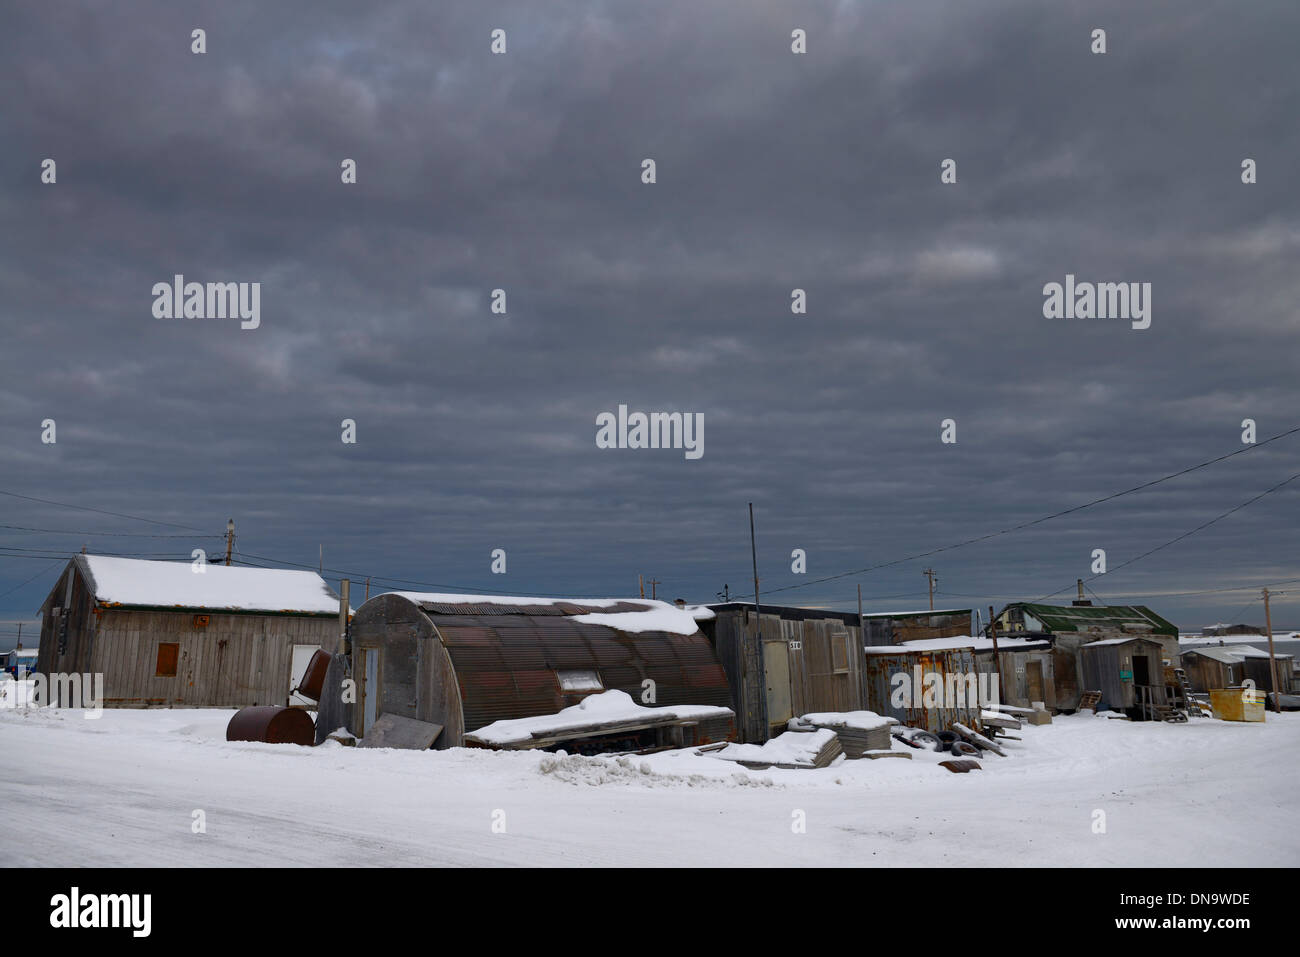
(880, 669)
(506, 664)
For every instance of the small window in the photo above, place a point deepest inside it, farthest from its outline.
(840, 653)
(168, 652)
(579, 680)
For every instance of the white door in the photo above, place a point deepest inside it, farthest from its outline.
(298, 670)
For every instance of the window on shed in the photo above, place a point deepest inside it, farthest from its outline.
(840, 652)
(168, 653)
(580, 680)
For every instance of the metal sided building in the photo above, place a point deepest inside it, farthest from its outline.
(462, 662)
(173, 634)
(896, 627)
(803, 660)
(1129, 673)
(897, 677)
(1024, 666)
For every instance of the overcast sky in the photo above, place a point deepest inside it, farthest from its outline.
(775, 171)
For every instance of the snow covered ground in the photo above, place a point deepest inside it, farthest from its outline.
(124, 789)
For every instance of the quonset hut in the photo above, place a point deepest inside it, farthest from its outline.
(464, 661)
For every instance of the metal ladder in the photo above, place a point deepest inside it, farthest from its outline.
(1192, 708)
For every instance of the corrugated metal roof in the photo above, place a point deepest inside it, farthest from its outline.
(1085, 617)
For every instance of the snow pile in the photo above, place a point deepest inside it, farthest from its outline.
(135, 582)
(609, 707)
(16, 694)
(596, 771)
(790, 747)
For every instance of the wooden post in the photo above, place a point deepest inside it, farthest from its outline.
(1272, 661)
(344, 625)
(230, 538)
(367, 598)
(654, 589)
(929, 574)
(640, 583)
(997, 658)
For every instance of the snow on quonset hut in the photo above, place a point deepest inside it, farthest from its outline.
(462, 662)
(176, 634)
(800, 661)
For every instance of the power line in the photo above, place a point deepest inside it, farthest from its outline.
(1187, 534)
(32, 579)
(61, 531)
(1037, 521)
(101, 511)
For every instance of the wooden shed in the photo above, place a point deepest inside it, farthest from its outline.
(1129, 673)
(1026, 667)
(800, 661)
(1228, 666)
(462, 662)
(173, 634)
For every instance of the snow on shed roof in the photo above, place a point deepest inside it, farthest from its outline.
(979, 643)
(139, 583)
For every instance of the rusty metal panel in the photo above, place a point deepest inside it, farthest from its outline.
(881, 669)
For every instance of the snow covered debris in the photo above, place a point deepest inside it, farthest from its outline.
(794, 748)
(649, 615)
(611, 708)
(451, 598)
(857, 720)
(153, 584)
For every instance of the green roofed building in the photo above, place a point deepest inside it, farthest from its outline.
(1070, 627)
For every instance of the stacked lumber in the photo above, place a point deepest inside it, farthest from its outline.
(792, 749)
(858, 731)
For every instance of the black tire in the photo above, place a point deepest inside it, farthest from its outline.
(964, 749)
(926, 738)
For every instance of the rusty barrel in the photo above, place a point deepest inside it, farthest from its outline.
(273, 725)
(313, 678)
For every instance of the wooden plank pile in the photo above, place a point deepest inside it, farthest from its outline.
(858, 731)
(819, 750)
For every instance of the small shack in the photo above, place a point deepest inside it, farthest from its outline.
(1210, 667)
(924, 688)
(1129, 673)
(19, 659)
(459, 663)
(800, 660)
(176, 634)
(1024, 667)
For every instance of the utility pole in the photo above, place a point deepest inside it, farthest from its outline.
(997, 659)
(345, 625)
(929, 573)
(862, 633)
(230, 538)
(640, 581)
(1272, 661)
(654, 591)
(367, 598)
(753, 554)
(320, 569)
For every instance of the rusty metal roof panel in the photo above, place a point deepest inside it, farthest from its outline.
(507, 665)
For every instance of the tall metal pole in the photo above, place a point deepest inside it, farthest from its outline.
(1272, 661)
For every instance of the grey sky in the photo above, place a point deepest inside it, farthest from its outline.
(775, 171)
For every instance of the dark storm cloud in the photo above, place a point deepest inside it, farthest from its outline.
(521, 171)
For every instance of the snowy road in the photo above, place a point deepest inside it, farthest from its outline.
(124, 789)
